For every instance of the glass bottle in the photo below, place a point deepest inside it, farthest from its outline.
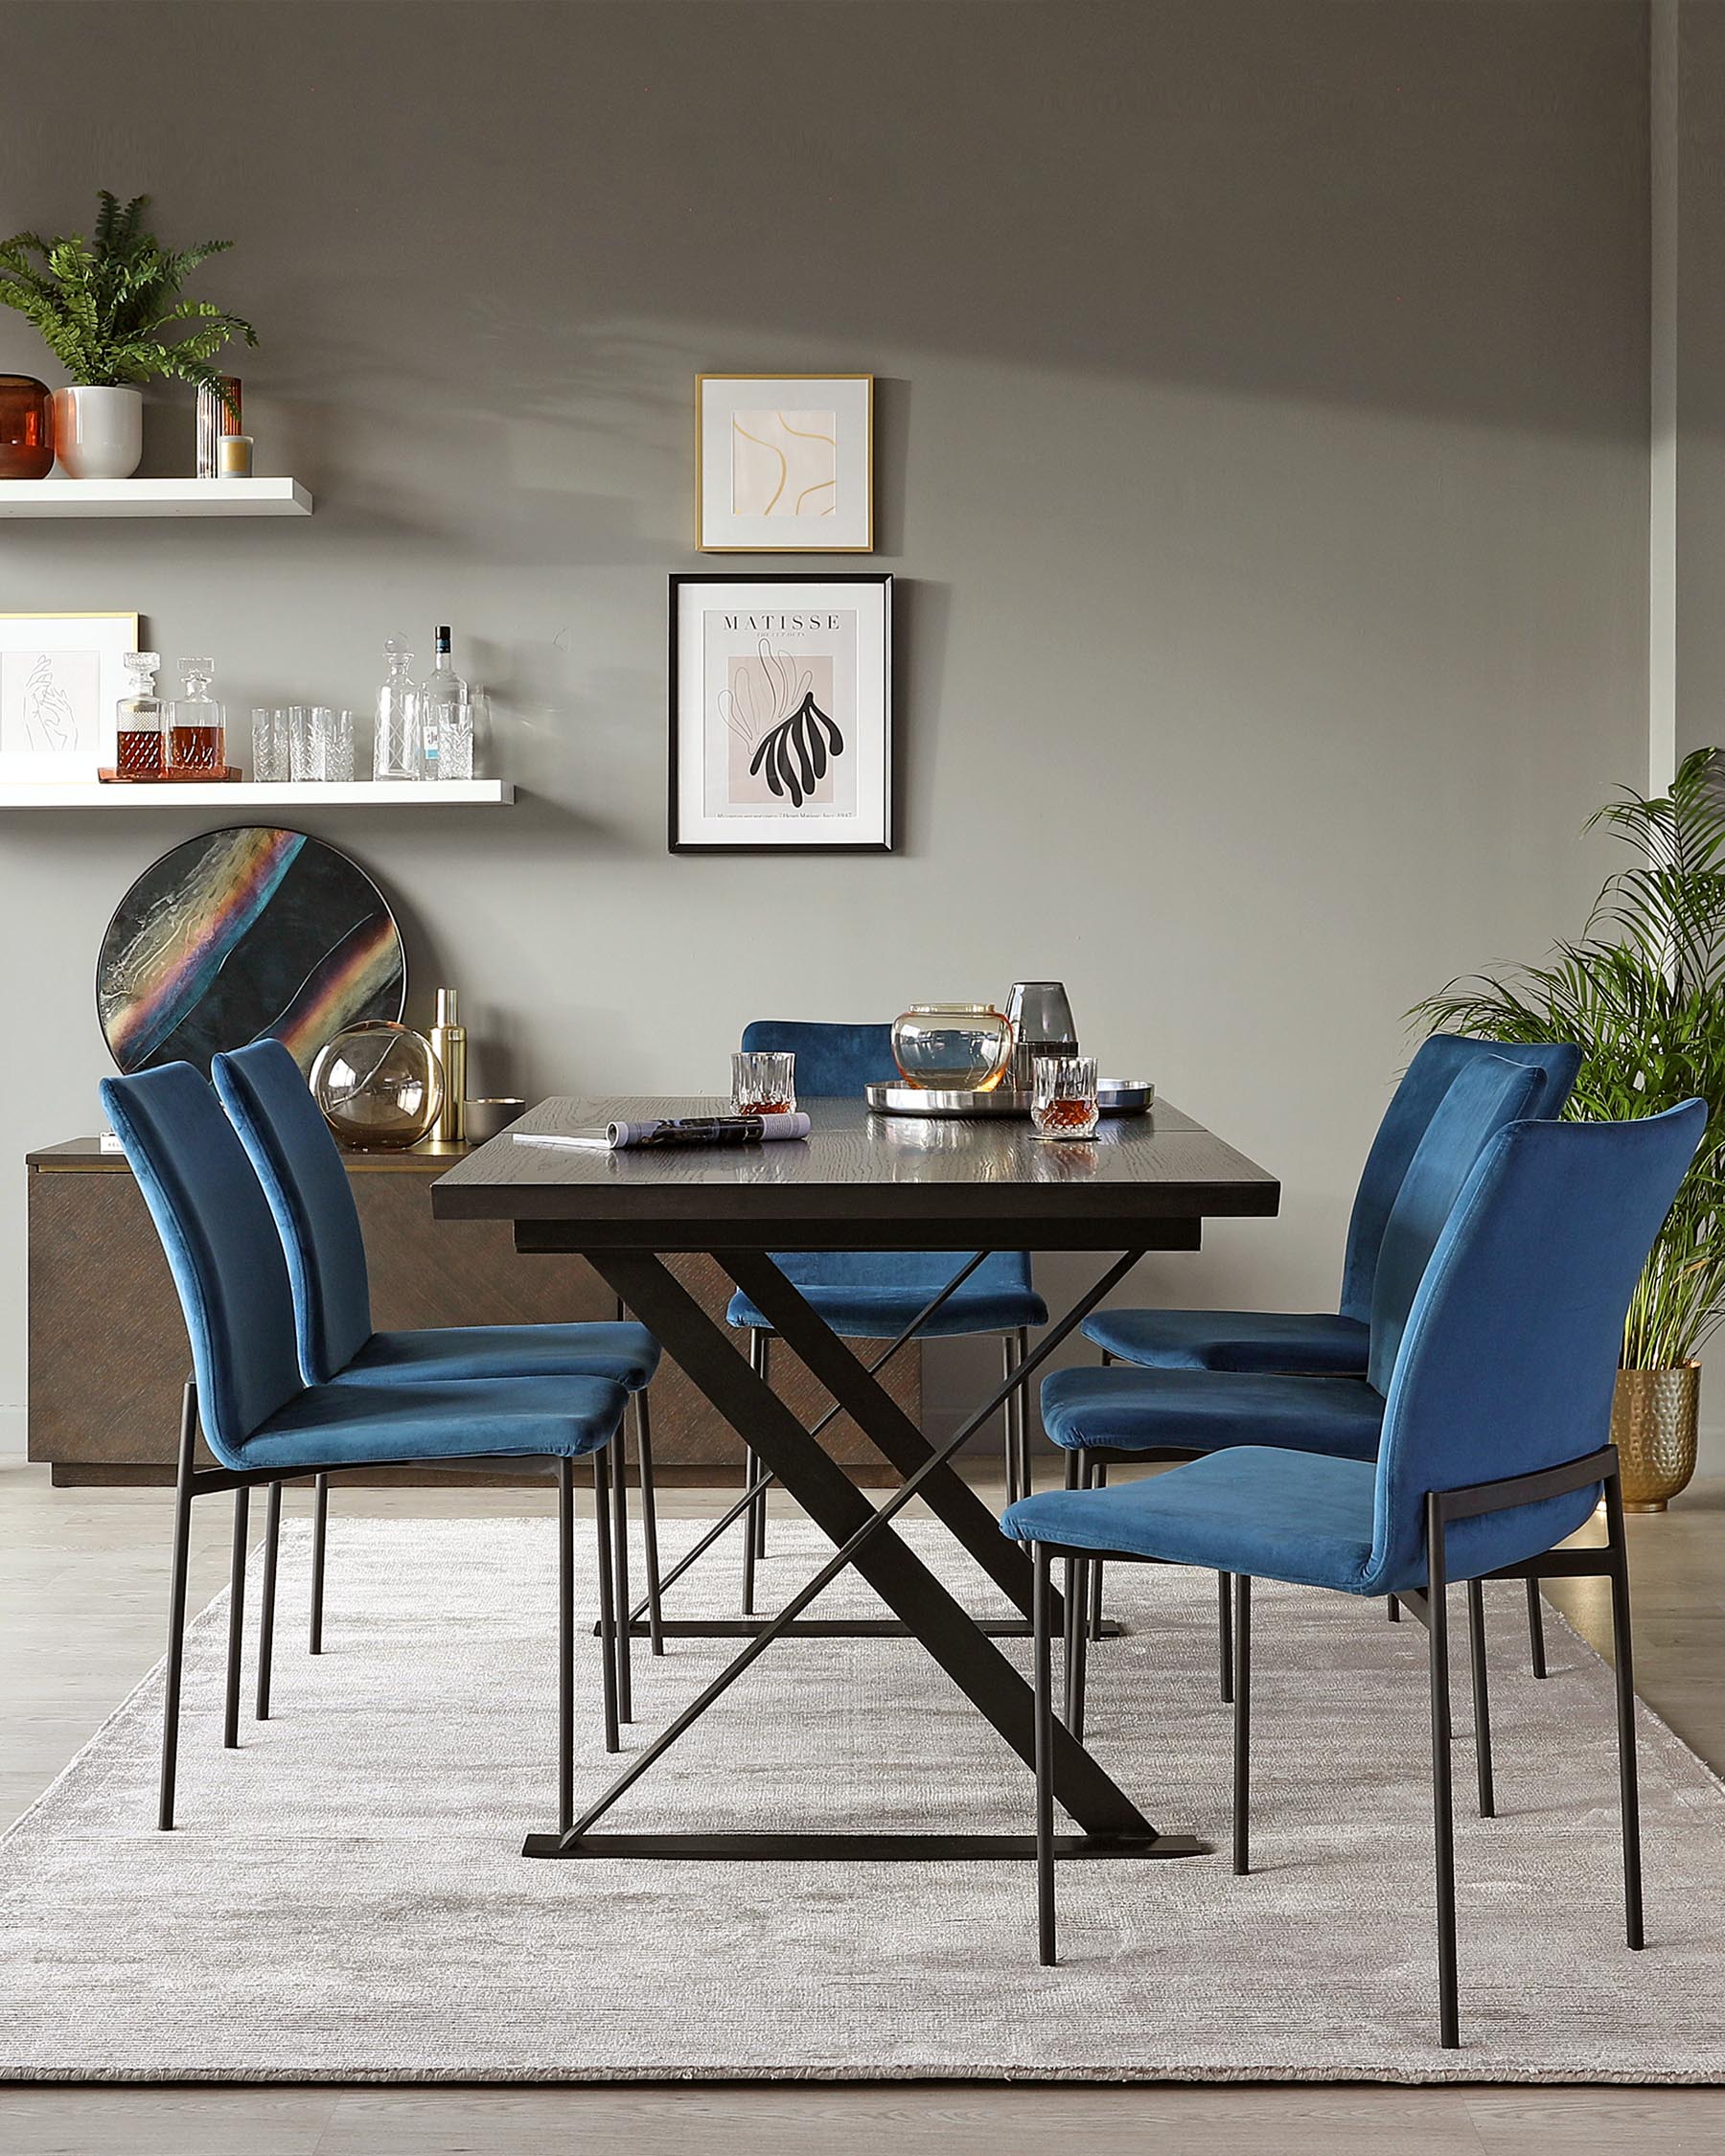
(196, 724)
(397, 747)
(449, 717)
(138, 732)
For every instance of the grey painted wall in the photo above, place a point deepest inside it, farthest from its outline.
(1262, 455)
(1700, 374)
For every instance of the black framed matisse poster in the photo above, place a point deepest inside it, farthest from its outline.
(781, 714)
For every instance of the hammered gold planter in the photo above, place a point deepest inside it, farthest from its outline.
(1654, 1417)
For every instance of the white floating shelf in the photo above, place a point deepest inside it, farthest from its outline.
(153, 497)
(239, 798)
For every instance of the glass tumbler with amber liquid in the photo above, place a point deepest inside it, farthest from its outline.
(1063, 1104)
(197, 725)
(138, 720)
(763, 1082)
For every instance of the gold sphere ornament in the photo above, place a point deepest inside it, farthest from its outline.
(380, 1086)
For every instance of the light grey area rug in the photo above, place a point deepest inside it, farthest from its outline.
(346, 1898)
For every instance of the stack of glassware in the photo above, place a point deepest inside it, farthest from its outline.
(424, 730)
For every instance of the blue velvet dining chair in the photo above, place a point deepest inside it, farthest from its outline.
(311, 1196)
(1180, 1410)
(264, 1422)
(1332, 1344)
(1495, 1448)
(874, 1295)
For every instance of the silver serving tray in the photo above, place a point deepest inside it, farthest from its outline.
(1114, 1097)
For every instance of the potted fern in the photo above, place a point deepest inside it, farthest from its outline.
(109, 309)
(1642, 994)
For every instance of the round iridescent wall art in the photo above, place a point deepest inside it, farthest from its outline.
(241, 933)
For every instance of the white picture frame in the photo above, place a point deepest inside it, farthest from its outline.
(61, 678)
(781, 714)
(784, 463)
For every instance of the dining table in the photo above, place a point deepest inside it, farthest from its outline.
(859, 1181)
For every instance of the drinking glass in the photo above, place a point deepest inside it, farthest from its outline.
(303, 748)
(763, 1082)
(1064, 1100)
(338, 747)
(272, 756)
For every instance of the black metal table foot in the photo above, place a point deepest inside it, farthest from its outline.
(859, 1849)
(834, 1628)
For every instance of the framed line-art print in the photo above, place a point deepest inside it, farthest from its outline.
(784, 463)
(62, 677)
(781, 714)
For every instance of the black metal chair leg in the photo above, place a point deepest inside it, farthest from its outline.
(607, 1608)
(1224, 1633)
(1393, 1611)
(1242, 1723)
(566, 1645)
(1623, 1654)
(1021, 1401)
(177, 1611)
(266, 1601)
(1444, 1818)
(1045, 1760)
(320, 1530)
(752, 1517)
(1078, 1646)
(1098, 1482)
(624, 1602)
(1075, 1475)
(766, 1340)
(1535, 1629)
(1009, 1442)
(230, 1719)
(656, 1618)
(1482, 1698)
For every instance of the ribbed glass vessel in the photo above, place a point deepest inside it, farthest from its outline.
(26, 427)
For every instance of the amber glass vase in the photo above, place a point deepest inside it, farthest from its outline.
(26, 427)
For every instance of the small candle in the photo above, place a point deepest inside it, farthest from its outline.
(234, 456)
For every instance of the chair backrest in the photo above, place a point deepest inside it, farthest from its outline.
(1510, 1355)
(1484, 1095)
(306, 1182)
(1435, 1064)
(842, 1060)
(222, 1245)
(830, 1059)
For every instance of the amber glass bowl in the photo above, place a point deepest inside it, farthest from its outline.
(26, 427)
(379, 1085)
(952, 1047)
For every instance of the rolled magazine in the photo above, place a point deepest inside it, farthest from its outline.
(675, 1130)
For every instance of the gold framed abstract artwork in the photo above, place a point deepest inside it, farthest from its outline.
(784, 463)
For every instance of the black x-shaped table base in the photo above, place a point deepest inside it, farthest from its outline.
(1111, 1824)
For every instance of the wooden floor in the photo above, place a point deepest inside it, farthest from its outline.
(82, 1592)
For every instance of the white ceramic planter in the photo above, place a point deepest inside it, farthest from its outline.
(99, 434)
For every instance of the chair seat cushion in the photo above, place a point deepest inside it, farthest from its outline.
(1275, 1515)
(873, 1294)
(626, 1354)
(366, 1425)
(1205, 1410)
(1318, 1342)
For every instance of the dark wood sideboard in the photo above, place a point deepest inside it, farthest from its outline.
(107, 1347)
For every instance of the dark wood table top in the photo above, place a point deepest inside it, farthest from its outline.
(858, 1178)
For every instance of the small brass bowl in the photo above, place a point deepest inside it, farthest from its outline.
(488, 1118)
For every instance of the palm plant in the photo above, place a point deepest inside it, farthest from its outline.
(1643, 996)
(109, 307)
